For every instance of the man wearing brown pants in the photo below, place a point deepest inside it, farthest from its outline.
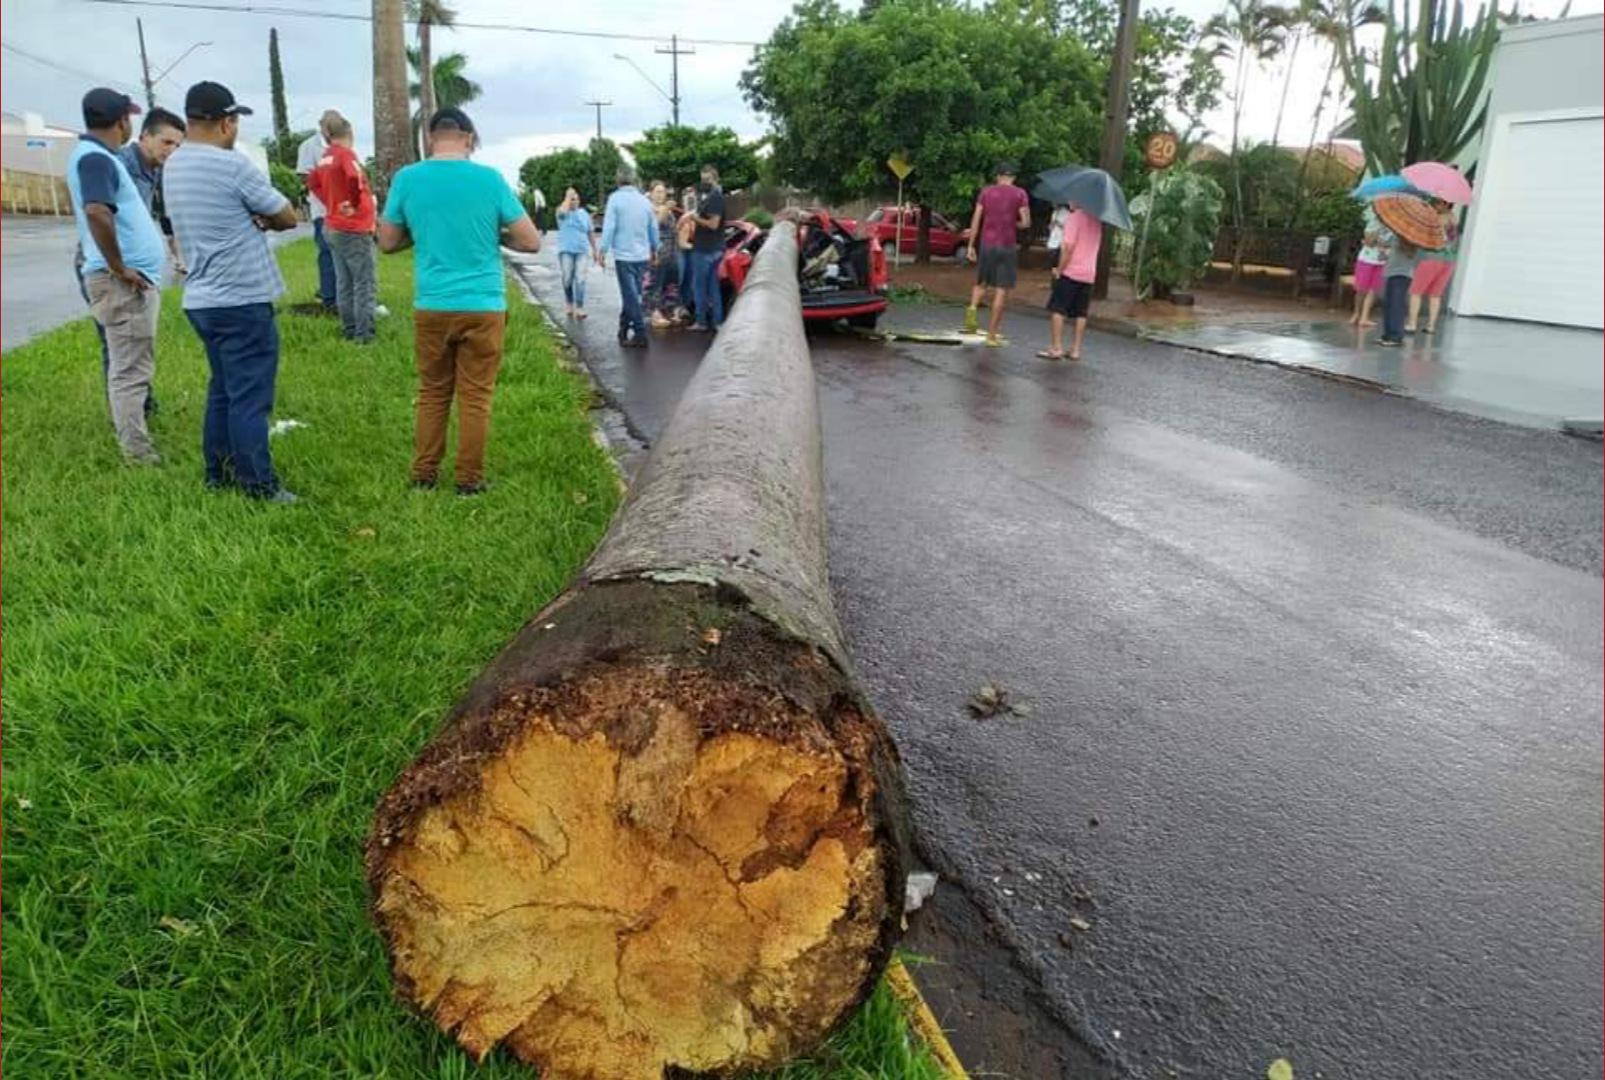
(456, 213)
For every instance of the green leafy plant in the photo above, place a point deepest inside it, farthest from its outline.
(1335, 213)
(1420, 96)
(288, 182)
(760, 217)
(1176, 224)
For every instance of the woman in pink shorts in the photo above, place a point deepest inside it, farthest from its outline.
(1368, 281)
(1432, 275)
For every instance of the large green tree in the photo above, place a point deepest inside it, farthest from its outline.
(589, 171)
(950, 87)
(676, 155)
(1170, 78)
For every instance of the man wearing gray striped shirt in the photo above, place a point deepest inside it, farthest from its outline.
(220, 205)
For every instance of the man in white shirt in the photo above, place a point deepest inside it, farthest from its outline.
(306, 160)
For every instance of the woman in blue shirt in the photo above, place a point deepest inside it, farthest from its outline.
(575, 245)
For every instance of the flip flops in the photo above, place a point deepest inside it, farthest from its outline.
(1049, 354)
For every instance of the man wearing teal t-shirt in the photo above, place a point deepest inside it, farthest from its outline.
(455, 212)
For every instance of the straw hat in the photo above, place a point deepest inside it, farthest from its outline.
(1411, 218)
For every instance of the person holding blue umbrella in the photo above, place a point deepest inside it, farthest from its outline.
(1093, 198)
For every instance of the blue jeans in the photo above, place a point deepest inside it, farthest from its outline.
(708, 304)
(1395, 307)
(242, 347)
(326, 289)
(572, 267)
(631, 316)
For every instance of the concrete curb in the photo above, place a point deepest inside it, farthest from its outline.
(922, 1020)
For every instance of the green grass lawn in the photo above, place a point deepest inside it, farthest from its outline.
(204, 698)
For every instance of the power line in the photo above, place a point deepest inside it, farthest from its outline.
(100, 80)
(342, 16)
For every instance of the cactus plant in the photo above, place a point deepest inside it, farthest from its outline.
(1420, 96)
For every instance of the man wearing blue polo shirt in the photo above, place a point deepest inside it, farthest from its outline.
(220, 205)
(123, 259)
(630, 232)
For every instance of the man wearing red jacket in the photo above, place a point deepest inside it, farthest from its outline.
(342, 186)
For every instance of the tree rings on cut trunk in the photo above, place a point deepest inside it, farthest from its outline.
(680, 856)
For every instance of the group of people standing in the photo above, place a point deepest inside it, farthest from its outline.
(1404, 276)
(666, 256)
(1002, 210)
(184, 178)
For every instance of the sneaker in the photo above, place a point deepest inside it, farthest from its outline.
(380, 310)
(993, 341)
(468, 491)
(972, 321)
(424, 483)
(637, 342)
(148, 458)
(1389, 343)
(281, 497)
(697, 328)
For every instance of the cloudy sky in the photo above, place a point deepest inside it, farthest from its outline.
(534, 83)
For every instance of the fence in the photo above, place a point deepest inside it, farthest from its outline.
(1285, 261)
(32, 193)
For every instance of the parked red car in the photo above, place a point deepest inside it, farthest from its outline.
(843, 275)
(946, 240)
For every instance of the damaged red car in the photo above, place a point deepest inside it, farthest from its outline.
(843, 275)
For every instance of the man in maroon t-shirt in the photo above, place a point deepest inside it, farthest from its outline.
(1000, 211)
(342, 186)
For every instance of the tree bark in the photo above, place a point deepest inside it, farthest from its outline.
(392, 134)
(664, 829)
(922, 237)
(426, 86)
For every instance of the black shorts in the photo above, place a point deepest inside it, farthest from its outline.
(1070, 298)
(997, 267)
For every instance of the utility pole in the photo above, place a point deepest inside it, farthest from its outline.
(599, 106)
(675, 52)
(1113, 154)
(144, 63)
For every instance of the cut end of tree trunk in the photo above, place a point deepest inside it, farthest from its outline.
(676, 857)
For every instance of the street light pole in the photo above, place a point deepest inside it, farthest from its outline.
(1113, 154)
(599, 106)
(675, 52)
(144, 63)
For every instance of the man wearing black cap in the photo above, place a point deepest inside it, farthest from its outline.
(458, 213)
(123, 259)
(220, 205)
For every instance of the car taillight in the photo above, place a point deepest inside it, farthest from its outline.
(877, 267)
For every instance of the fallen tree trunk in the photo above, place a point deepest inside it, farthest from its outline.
(663, 830)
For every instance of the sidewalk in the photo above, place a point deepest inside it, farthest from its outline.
(1529, 374)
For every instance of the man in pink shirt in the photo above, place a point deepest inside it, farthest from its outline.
(1073, 274)
(1001, 210)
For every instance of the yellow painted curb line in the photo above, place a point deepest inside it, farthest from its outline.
(923, 1020)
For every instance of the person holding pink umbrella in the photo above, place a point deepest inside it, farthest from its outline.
(1443, 185)
(1433, 274)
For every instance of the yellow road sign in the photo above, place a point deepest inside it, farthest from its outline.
(900, 167)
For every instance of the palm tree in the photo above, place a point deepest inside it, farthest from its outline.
(452, 87)
(1247, 31)
(1329, 22)
(428, 14)
(392, 148)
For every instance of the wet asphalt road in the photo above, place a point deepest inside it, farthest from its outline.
(1315, 741)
